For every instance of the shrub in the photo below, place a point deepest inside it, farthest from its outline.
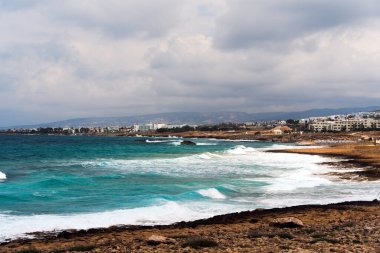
(197, 242)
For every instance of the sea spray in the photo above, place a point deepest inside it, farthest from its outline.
(212, 193)
(3, 176)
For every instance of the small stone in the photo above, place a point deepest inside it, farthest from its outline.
(288, 222)
(367, 230)
(158, 239)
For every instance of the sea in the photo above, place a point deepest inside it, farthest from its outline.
(54, 183)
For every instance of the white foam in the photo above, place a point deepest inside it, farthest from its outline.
(167, 213)
(299, 179)
(3, 176)
(240, 150)
(157, 141)
(205, 156)
(206, 144)
(175, 137)
(240, 140)
(287, 146)
(212, 193)
(237, 160)
(339, 192)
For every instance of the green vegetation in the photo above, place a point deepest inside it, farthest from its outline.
(219, 127)
(176, 129)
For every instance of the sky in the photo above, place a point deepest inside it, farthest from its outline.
(68, 59)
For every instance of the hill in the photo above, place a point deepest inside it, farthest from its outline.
(198, 117)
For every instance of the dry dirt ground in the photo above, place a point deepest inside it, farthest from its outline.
(344, 227)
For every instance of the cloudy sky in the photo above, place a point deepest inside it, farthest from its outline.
(69, 58)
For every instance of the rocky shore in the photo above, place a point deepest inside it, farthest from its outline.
(343, 227)
(363, 159)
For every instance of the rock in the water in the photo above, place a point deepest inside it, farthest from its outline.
(288, 222)
(188, 143)
(158, 239)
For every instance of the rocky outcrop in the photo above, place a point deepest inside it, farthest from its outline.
(188, 143)
(288, 222)
(158, 239)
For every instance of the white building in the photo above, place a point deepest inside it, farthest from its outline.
(344, 125)
(148, 127)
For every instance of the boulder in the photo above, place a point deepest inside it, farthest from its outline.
(158, 239)
(288, 222)
(188, 143)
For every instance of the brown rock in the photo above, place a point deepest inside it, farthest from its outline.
(188, 143)
(288, 222)
(367, 230)
(158, 239)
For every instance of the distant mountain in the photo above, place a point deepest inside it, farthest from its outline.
(199, 117)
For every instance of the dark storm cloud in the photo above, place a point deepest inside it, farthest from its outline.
(265, 22)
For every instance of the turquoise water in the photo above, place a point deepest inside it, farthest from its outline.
(55, 174)
(62, 182)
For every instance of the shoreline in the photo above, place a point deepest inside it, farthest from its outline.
(364, 158)
(355, 224)
(132, 238)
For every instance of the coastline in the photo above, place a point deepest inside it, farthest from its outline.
(248, 231)
(341, 227)
(364, 159)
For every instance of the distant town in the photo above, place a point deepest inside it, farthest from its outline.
(362, 121)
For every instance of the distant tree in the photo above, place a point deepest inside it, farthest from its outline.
(290, 121)
(84, 130)
(185, 128)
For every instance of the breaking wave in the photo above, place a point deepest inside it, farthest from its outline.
(212, 193)
(3, 176)
(157, 141)
(168, 212)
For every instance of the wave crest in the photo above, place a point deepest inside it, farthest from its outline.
(212, 193)
(240, 150)
(3, 176)
(166, 212)
(157, 141)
